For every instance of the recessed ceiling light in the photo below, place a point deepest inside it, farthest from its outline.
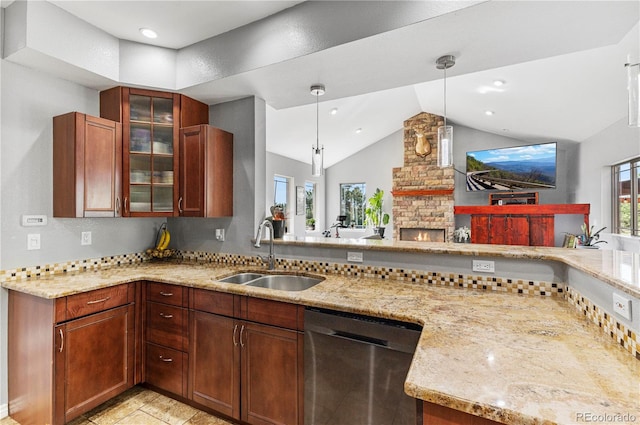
(498, 83)
(334, 111)
(148, 32)
(358, 130)
(489, 113)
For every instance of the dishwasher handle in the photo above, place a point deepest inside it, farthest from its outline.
(361, 338)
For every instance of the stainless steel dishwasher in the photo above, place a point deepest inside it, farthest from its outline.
(355, 367)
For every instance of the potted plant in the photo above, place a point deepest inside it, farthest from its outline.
(589, 238)
(374, 214)
(311, 224)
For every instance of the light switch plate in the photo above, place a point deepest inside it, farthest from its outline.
(33, 241)
(85, 238)
(220, 235)
(622, 306)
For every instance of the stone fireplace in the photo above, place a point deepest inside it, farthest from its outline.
(422, 192)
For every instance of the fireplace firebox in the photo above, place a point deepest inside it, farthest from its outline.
(422, 234)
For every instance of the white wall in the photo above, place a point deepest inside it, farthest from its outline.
(613, 145)
(300, 173)
(372, 166)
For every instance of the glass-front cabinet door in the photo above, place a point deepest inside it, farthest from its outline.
(150, 140)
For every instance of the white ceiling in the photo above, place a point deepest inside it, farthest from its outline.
(563, 64)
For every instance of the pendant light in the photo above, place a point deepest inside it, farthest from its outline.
(317, 152)
(445, 132)
(633, 85)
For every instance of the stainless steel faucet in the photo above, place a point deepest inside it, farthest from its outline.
(270, 260)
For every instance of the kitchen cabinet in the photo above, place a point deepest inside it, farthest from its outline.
(258, 348)
(68, 355)
(87, 166)
(529, 225)
(150, 127)
(166, 337)
(434, 414)
(206, 172)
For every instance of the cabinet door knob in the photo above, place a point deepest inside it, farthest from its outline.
(180, 205)
(125, 204)
(241, 332)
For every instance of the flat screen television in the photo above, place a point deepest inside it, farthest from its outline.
(529, 167)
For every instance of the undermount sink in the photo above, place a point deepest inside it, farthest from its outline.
(241, 278)
(282, 282)
(285, 282)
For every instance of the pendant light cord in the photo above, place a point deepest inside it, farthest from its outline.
(445, 95)
(317, 123)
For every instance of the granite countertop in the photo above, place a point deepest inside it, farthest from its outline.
(511, 358)
(620, 269)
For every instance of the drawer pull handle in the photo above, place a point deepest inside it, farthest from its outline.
(241, 332)
(169, 360)
(98, 301)
(235, 331)
(166, 294)
(166, 316)
(61, 340)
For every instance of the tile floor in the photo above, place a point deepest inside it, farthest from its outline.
(140, 406)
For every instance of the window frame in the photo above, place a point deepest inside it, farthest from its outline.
(356, 226)
(634, 192)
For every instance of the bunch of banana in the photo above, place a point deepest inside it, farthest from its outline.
(163, 239)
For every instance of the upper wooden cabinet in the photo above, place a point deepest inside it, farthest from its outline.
(87, 158)
(206, 172)
(150, 126)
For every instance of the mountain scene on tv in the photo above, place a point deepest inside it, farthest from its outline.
(522, 167)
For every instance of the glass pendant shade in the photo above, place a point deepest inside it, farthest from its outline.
(317, 154)
(445, 146)
(633, 73)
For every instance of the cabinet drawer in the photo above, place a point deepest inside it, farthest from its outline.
(213, 302)
(167, 325)
(166, 369)
(274, 313)
(94, 301)
(166, 294)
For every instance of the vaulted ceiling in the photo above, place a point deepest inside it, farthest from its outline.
(562, 62)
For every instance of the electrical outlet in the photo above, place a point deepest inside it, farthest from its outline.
(484, 266)
(85, 238)
(354, 257)
(622, 306)
(220, 235)
(33, 241)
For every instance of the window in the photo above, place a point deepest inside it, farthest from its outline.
(281, 193)
(352, 203)
(310, 205)
(626, 197)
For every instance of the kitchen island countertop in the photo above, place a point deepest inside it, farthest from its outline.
(511, 358)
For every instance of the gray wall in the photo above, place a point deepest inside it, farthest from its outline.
(373, 166)
(30, 99)
(300, 173)
(613, 145)
(245, 118)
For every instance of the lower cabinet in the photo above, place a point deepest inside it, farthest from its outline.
(513, 229)
(166, 333)
(434, 414)
(93, 361)
(243, 369)
(70, 354)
